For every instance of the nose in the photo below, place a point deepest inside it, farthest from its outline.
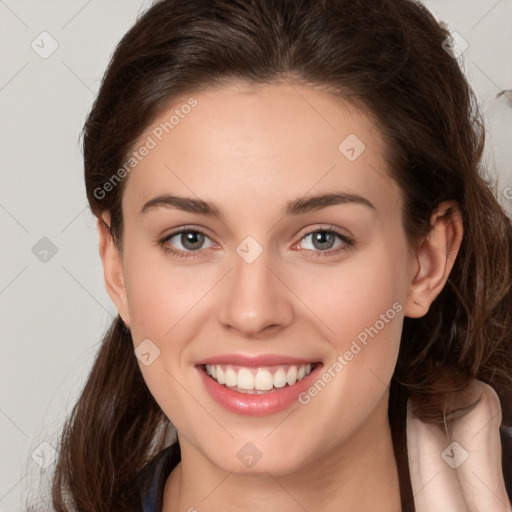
(255, 302)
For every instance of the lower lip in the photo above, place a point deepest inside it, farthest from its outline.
(254, 404)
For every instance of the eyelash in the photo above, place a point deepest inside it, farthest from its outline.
(347, 243)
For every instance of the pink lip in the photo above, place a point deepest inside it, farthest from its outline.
(254, 361)
(257, 405)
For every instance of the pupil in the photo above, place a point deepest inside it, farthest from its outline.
(323, 240)
(192, 240)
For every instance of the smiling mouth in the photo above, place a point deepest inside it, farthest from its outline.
(258, 380)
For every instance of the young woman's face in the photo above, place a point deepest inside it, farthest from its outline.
(270, 281)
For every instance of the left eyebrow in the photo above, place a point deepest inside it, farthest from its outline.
(295, 207)
(314, 203)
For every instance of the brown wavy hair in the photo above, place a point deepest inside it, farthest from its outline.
(387, 58)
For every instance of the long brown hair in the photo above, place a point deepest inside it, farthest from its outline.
(388, 58)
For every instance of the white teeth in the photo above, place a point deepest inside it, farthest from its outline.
(291, 375)
(245, 379)
(230, 377)
(280, 378)
(263, 380)
(257, 380)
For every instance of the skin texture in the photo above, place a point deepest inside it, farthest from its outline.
(250, 150)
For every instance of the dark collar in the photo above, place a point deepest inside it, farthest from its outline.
(151, 480)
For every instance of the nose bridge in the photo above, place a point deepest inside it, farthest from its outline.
(254, 299)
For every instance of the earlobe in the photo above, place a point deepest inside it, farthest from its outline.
(112, 268)
(435, 257)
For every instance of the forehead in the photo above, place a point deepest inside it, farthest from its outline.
(242, 143)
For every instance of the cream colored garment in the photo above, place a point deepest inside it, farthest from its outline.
(459, 470)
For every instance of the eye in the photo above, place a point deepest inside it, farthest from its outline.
(187, 241)
(323, 242)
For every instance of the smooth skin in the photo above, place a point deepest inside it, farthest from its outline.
(250, 150)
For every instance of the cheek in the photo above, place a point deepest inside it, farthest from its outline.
(150, 301)
(362, 306)
(163, 302)
(359, 306)
(160, 293)
(356, 294)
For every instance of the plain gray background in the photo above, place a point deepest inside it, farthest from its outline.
(53, 305)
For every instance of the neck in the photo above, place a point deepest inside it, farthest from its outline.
(359, 475)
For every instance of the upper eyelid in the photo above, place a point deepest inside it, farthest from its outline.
(185, 229)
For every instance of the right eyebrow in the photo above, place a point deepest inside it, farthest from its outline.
(186, 204)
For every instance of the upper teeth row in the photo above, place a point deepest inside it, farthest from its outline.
(261, 380)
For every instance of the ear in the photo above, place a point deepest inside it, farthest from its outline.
(435, 257)
(111, 258)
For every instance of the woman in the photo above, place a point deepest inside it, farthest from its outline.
(312, 277)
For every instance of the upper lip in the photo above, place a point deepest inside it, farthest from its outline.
(255, 360)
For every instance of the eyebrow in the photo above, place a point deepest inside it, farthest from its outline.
(295, 207)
